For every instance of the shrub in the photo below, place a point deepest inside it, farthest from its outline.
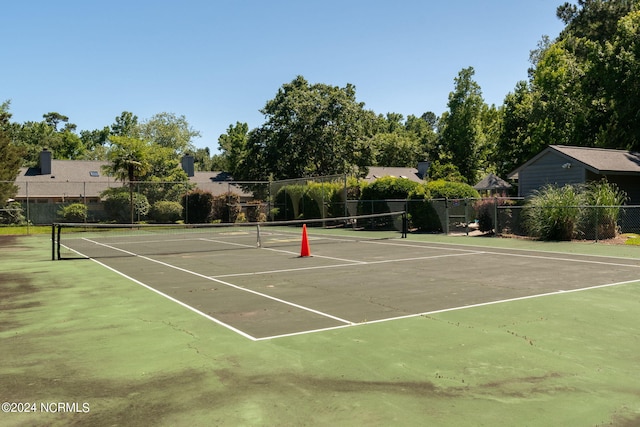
(13, 214)
(165, 211)
(554, 213)
(311, 200)
(485, 211)
(197, 207)
(606, 198)
(75, 212)
(422, 215)
(441, 189)
(288, 199)
(574, 211)
(374, 197)
(117, 205)
(226, 207)
(254, 212)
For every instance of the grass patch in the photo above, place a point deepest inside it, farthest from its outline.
(632, 239)
(23, 230)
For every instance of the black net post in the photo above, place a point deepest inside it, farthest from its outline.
(405, 225)
(58, 241)
(53, 242)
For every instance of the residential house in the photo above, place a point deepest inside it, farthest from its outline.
(561, 165)
(418, 174)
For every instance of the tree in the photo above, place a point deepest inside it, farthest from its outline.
(95, 142)
(310, 130)
(462, 134)
(129, 159)
(10, 160)
(583, 87)
(396, 149)
(126, 125)
(516, 144)
(170, 131)
(423, 129)
(53, 119)
(233, 146)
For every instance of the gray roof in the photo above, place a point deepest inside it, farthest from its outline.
(217, 183)
(601, 161)
(376, 172)
(492, 182)
(68, 178)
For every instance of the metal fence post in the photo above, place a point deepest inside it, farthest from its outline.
(495, 215)
(446, 215)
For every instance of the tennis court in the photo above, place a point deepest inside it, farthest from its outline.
(265, 290)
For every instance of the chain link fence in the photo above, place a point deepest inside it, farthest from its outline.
(322, 197)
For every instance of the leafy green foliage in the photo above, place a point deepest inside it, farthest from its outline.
(10, 161)
(165, 211)
(311, 130)
(608, 199)
(565, 213)
(553, 213)
(13, 214)
(389, 188)
(421, 213)
(226, 207)
(197, 207)
(75, 212)
(584, 89)
(462, 135)
(375, 195)
(117, 205)
(441, 189)
(310, 200)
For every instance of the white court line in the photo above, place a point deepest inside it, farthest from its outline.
(358, 264)
(552, 258)
(282, 251)
(418, 245)
(427, 313)
(170, 298)
(227, 284)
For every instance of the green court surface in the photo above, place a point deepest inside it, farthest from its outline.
(428, 330)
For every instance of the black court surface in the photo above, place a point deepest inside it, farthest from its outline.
(270, 291)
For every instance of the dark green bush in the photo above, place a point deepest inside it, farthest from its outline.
(117, 205)
(422, 216)
(608, 198)
(554, 213)
(441, 189)
(75, 212)
(226, 207)
(254, 211)
(13, 214)
(569, 212)
(197, 207)
(165, 212)
(374, 196)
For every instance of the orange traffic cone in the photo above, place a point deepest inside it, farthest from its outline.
(304, 250)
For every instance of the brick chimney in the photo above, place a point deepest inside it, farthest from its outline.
(45, 162)
(188, 165)
(423, 168)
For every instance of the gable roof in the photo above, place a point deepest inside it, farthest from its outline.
(601, 161)
(492, 182)
(67, 178)
(376, 172)
(218, 183)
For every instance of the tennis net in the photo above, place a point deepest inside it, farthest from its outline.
(80, 240)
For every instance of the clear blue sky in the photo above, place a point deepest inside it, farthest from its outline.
(219, 61)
